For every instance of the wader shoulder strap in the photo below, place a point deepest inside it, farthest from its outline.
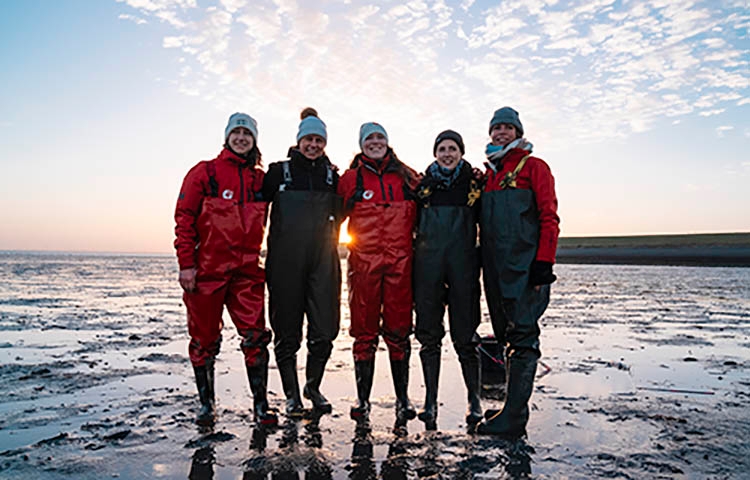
(329, 176)
(475, 191)
(286, 173)
(510, 178)
(213, 185)
(359, 190)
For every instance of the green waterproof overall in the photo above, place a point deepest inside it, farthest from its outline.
(303, 274)
(509, 227)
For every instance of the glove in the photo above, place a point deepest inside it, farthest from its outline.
(541, 273)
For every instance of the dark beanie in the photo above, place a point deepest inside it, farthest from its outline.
(509, 116)
(449, 135)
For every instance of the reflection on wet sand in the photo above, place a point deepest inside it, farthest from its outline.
(649, 374)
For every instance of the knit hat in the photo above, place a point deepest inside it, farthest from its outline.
(241, 120)
(449, 135)
(311, 125)
(368, 129)
(509, 116)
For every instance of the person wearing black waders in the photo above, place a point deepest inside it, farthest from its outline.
(519, 228)
(303, 267)
(446, 271)
(379, 199)
(220, 220)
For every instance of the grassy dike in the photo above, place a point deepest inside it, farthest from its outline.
(714, 249)
(711, 249)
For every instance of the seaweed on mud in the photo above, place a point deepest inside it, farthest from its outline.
(164, 358)
(680, 339)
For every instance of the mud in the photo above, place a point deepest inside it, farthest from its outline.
(96, 383)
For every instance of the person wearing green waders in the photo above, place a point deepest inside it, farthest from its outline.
(303, 266)
(519, 227)
(446, 271)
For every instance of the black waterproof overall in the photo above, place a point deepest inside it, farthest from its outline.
(303, 274)
(509, 226)
(446, 272)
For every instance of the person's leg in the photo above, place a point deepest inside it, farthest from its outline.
(244, 302)
(286, 302)
(463, 314)
(365, 296)
(323, 304)
(397, 326)
(523, 355)
(204, 310)
(429, 302)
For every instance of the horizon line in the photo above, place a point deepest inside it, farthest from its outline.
(164, 253)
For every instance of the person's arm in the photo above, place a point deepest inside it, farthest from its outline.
(186, 213)
(346, 186)
(271, 182)
(543, 186)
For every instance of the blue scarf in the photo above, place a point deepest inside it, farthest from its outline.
(445, 177)
(495, 153)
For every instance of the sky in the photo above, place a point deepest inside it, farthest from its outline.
(641, 108)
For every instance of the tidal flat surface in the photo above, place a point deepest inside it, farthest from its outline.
(645, 374)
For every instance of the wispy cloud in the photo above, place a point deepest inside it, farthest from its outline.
(132, 18)
(591, 69)
(722, 130)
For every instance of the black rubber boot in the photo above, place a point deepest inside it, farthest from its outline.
(431, 370)
(258, 378)
(316, 367)
(290, 384)
(511, 420)
(405, 411)
(204, 380)
(364, 372)
(471, 372)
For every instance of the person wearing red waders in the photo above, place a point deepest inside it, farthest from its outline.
(220, 222)
(378, 197)
(446, 271)
(519, 227)
(304, 270)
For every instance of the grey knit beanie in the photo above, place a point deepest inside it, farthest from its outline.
(509, 116)
(311, 125)
(368, 129)
(241, 120)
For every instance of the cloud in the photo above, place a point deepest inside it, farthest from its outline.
(591, 69)
(132, 18)
(722, 130)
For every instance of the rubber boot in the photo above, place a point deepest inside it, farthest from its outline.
(471, 372)
(364, 371)
(290, 384)
(431, 370)
(204, 380)
(404, 409)
(316, 367)
(512, 419)
(258, 378)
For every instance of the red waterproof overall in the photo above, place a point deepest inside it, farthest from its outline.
(381, 222)
(220, 227)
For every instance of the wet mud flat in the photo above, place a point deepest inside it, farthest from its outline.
(644, 374)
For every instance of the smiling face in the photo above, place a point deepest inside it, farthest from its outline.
(448, 154)
(240, 140)
(502, 134)
(312, 146)
(375, 146)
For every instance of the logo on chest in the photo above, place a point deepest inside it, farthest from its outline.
(367, 195)
(227, 194)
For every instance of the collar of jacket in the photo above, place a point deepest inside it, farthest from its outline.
(228, 155)
(387, 164)
(300, 160)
